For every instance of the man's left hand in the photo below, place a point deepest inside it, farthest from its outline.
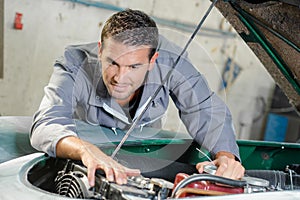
(227, 166)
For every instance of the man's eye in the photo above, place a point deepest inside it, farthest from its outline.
(133, 66)
(113, 63)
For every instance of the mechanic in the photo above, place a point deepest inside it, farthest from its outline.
(108, 83)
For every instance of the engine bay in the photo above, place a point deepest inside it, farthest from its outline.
(68, 178)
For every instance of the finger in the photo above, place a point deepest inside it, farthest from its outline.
(132, 172)
(109, 173)
(216, 162)
(120, 175)
(200, 166)
(223, 170)
(122, 172)
(242, 171)
(91, 175)
(238, 171)
(222, 163)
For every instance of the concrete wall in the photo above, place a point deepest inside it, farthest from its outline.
(50, 25)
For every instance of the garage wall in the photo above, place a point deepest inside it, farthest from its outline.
(1, 37)
(50, 25)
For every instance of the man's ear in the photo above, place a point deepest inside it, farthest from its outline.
(152, 61)
(99, 48)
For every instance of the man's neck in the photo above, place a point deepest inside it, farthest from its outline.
(124, 102)
(131, 98)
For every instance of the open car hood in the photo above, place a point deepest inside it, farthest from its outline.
(272, 30)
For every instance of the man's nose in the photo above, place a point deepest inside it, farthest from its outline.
(121, 72)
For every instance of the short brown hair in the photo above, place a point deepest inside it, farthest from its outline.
(131, 27)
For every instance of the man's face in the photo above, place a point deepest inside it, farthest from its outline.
(124, 68)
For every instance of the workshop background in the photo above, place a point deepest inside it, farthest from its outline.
(35, 32)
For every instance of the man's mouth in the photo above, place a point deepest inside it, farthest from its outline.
(119, 87)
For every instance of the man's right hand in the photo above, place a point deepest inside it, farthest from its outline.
(93, 158)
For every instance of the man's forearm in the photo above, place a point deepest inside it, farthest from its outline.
(71, 147)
